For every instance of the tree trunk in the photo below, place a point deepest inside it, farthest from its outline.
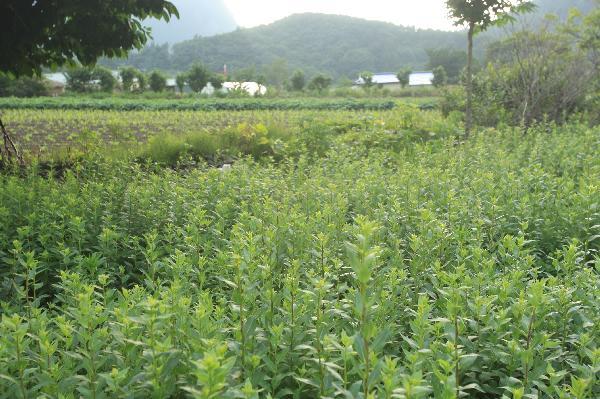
(469, 109)
(9, 149)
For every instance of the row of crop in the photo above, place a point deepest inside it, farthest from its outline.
(118, 104)
(168, 136)
(440, 271)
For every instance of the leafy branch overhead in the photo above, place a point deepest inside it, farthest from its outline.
(50, 33)
(486, 13)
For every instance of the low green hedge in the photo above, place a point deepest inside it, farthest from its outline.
(117, 104)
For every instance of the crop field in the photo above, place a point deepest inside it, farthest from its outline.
(344, 254)
(190, 104)
(50, 134)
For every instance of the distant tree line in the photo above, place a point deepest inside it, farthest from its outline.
(82, 79)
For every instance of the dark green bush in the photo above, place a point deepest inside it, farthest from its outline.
(22, 87)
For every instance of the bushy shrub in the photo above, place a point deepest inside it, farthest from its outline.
(157, 81)
(79, 79)
(531, 77)
(22, 87)
(165, 149)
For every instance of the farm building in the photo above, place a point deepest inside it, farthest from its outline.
(390, 80)
(56, 83)
(252, 88)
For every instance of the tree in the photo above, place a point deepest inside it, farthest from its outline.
(142, 81)
(277, 72)
(216, 81)
(197, 77)
(478, 16)
(298, 80)
(247, 74)
(260, 79)
(157, 81)
(79, 79)
(367, 78)
(181, 81)
(127, 77)
(22, 87)
(452, 60)
(404, 77)
(84, 79)
(320, 83)
(49, 33)
(54, 32)
(105, 78)
(536, 76)
(440, 77)
(586, 30)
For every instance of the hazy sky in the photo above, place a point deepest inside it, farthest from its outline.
(419, 13)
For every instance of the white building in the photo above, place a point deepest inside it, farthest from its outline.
(251, 88)
(389, 79)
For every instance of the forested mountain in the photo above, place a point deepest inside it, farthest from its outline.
(321, 43)
(197, 18)
(333, 44)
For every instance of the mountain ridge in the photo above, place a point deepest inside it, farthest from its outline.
(336, 45)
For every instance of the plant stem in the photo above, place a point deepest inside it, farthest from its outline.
(527, 345)
(363, 322)
(457, 359)
(21, 374)
(469, 108)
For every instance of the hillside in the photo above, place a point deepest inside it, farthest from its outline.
(332, 44)
(197, 18)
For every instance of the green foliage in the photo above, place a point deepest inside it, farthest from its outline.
(79, 79)
(316, 43)
(367, 78)
(53, 33)
(181, 81)
(197, 77)
(191, 104)
(452, 60)
(404, 76)
(478, 16)
(157, 81)
(440, 77)
(366, 270)
(277, 72)
(106, 80)
(298, 80)
(22, 87)
(320, 83)
(82, 79)
(142, 82)
(217, 80)
(128, 76)
(485, 13)
(538, 76)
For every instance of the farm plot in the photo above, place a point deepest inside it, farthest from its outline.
(363, 271)
(49, 133)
